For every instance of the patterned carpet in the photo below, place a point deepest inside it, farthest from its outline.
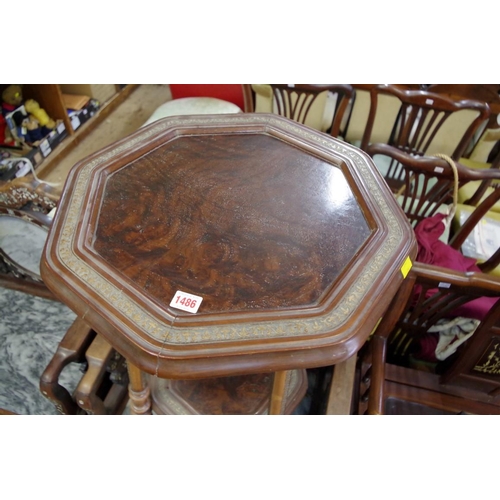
(30, 330)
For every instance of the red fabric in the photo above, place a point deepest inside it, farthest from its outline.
(231, 93)
(433, 251)
(427, 347)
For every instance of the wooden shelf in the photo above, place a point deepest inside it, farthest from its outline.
(76, 137)
(49, 96)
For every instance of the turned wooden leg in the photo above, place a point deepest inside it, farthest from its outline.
(278, 394)
(376, 401)
(138, 391)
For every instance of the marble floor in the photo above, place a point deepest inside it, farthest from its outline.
(30, 330)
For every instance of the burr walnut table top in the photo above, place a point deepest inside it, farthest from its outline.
(290, 237)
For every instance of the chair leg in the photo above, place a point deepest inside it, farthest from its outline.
(342, 388)
(96, 393)
(377, 376)
(71, 349)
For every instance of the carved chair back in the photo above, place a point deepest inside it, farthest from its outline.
(322, 107)
(487, 148)
(427, 123)
(423, 184)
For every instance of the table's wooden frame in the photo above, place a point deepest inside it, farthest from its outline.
(324, 335)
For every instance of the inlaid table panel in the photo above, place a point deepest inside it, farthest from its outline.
(290, 237)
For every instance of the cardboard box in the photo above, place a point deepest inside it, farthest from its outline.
(75, 101)
(101, 92)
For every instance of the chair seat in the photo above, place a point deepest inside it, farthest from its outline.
(193, 106)
(478, 165)
(467, 191)
(484, 239)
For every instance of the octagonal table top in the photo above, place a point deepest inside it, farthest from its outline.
(287, 243)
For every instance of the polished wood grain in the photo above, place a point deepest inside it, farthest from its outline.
(291, 237)
(139, 392)
(239, 220)
(237, 395)
(241, 395)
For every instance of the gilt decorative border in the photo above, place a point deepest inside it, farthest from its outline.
(290, 327)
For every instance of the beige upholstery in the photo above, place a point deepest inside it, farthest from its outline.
(359, 109)
(319, 117)
(193, 106)
(449, 134)
(263, 98)
(387, 112)
(484, 146)
(466, 192)
(478, 165)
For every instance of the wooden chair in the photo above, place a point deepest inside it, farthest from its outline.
(424, 187)
(322, 107)
(466, 382)
(424, 184)
(486, 151)
(475, 228)
(359, 110)
(426, 123)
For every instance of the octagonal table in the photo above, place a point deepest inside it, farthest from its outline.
(220, 245)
